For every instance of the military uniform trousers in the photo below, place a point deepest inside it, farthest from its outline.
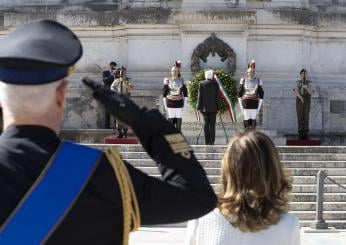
(303, 111)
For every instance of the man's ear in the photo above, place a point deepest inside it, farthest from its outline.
(61, 93)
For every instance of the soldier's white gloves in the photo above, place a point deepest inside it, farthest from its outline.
(185, 103)
(165, 103)
(259, 105)
(240, 103)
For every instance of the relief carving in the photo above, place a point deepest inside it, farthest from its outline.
(214, 46)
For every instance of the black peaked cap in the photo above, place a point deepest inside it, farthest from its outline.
(37, 49)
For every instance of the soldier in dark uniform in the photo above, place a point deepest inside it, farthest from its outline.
(303, 92)
(35, 59)
(108, 78)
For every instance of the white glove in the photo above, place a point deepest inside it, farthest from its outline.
(185, 103)
(165, 103)
(240, 103)
(259, 105)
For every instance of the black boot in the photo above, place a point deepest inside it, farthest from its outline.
(246, 124)
(125, 132)
(171, 120)
(175, 122)
(253, 124)
(179, 120)
(120, 133)
(305, 136)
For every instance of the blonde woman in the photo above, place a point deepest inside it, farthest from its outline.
(254, 199)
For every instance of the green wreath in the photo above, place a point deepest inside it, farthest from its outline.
(225, 78)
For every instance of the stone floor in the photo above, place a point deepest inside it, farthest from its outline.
(175, 236)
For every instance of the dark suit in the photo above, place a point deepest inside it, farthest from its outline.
(208, 103)
(108, 78)
(182, 193)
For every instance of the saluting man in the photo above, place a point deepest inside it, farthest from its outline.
(56, 192)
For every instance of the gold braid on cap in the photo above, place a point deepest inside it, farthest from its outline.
(70, 70)
(131, 216)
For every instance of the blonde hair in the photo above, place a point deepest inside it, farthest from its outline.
(30, 100)
(255, 186)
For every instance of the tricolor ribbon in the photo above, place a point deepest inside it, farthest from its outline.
(229, 104)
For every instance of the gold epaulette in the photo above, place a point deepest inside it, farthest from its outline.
(131, 212)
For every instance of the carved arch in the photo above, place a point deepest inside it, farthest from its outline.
(213, 45)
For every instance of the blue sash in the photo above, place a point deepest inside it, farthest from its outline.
(50, 198)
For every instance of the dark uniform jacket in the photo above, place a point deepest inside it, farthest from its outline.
(208, 96)
(96, 218)
(107, 78)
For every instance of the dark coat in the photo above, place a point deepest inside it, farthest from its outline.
(208, 96)
(107, 78)
(182, 193)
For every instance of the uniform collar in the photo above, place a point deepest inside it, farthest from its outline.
(29, 131)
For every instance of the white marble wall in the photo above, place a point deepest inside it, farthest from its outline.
(281, 42)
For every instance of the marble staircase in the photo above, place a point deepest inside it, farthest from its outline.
(303, 162)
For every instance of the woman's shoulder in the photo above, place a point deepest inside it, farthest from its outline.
(289, 219)
(213, 217)
(287, 222)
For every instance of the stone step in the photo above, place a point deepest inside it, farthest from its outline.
(338, 224)
(287, 164)
(312, 180)
(223, 141)
(312, 149)
(314, 164)
(297, 180)
(220, 131)
(215, 179)
(313, 156)
(311, 206)
(313, 172)
(283, 156)
(294, 171)
(311, 197)
(328, 188)
(222, 148)
(328, 215)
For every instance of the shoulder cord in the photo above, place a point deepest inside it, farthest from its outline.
(131, 212)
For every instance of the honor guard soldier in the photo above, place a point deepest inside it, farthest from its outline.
(250, 96)
(175, 95)
(55, 192)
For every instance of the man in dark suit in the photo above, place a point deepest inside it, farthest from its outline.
(208, 104)
(33, 90)
(108, 78)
